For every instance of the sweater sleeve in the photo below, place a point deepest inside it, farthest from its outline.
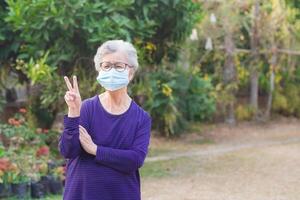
(69, 144)
(127, 160)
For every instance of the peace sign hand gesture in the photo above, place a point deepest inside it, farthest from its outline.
(73, 98)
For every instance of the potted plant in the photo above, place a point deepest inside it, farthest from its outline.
(16, 174)
(56, 184)
(2, 168)
(20, 185)
(6, 169)
(40, 181)
(37, 187)
(2, 187)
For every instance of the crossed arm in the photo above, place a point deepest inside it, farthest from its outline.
(123, 160)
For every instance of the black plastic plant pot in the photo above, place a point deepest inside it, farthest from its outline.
(20, 190)
(2, 190)
(37, 189)
(5, 190)
(45, 180)
(56, 186)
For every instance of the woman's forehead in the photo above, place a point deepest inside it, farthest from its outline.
(115, 57)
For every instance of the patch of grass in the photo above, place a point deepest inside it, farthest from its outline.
(203, 141)
(195, 127)
(200, 127)
(49, 197)
(172, 167)
(157, 151)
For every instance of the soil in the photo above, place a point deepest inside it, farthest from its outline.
(250, 161)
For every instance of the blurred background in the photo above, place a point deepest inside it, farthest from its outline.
(221, 80)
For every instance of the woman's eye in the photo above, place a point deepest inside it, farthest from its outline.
(119, 66)
(106, 66)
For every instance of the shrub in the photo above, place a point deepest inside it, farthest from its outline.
(244, 112)
(177, 97)
(287, 100)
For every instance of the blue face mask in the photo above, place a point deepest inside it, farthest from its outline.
(112, 79)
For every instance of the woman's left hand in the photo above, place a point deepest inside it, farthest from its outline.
(86, 141)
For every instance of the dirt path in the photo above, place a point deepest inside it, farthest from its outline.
(249, 162)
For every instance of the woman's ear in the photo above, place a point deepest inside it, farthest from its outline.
(130, 75)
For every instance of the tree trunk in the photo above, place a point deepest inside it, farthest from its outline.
(273, 65)
(254, 89)
(255, 57)
(229, 77)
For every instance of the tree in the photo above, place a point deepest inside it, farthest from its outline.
(71, 31)
(223, 33)
(254, 71)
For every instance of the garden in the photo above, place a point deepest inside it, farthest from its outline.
(201, 62)
(27, 166)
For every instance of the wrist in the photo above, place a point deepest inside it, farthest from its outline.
(95, 150)
(73, 113)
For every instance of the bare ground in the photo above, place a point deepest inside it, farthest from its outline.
(248, 162)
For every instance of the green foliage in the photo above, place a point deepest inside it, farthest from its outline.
(2, 102)
(224, 92)
(287, 100)
(46, 77)
(200, 99)
(9, 42)
(174, 22)
(243, 74)
(36, 71)
(72, 29)
(177, 97)
(162, 102)
(280, 102)
(244, 112)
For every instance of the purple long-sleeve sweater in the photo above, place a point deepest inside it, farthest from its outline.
(122, 145)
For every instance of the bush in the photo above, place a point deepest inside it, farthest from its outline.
(177, 97)
(244, 112)
(287, 100)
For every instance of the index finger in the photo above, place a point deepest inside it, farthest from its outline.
(68, 83)
(81, 127)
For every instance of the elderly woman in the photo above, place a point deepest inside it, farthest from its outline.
(105, 137)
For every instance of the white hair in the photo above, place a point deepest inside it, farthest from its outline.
(113, 46)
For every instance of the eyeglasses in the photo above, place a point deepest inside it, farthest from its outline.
(119, 66)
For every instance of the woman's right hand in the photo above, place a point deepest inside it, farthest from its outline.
(73, 98)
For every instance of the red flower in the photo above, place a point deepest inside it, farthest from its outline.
(4, 164)
(45, 131)
(42, 151)
(22, 110)
(13, 121)
(17, 123)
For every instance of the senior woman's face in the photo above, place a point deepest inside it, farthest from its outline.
(119, 57)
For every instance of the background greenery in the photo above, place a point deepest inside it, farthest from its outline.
(179, 80)
(200, 61)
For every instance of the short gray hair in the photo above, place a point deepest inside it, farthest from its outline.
(112, 46)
